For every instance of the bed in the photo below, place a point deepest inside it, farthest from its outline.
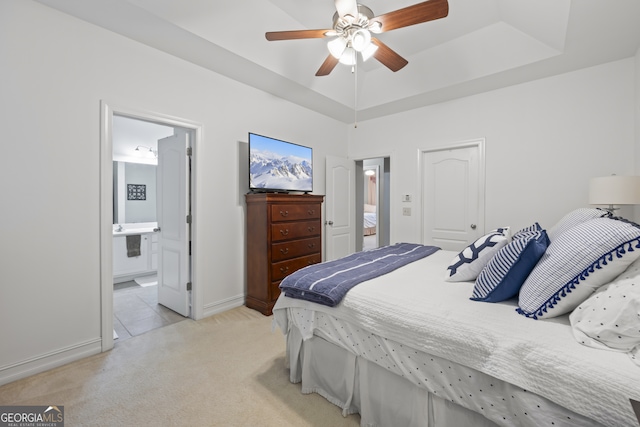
(370, 220)
(412, 348)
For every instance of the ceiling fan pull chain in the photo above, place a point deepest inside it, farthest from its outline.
(354, 70)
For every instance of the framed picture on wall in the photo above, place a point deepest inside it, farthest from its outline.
(136, 192)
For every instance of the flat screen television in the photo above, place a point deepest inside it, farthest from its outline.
(279, 166)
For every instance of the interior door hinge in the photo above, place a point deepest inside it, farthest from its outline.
(189, 151)
(188, 286)
(189, 218)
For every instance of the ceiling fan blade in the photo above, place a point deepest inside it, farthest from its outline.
(294, 35)
(327, 66)
(411, 15)
(347, 7)
(388, 57)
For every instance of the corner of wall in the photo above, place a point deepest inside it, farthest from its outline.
(637, 125)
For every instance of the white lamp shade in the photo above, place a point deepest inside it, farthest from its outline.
(337, 47)
(348, 57)
(614, 190)
(369, 51)
(360, 40)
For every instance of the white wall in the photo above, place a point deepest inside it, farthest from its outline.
(637, 111)
(544, 140)
(56, 70)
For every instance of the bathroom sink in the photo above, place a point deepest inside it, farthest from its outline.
(128, 231)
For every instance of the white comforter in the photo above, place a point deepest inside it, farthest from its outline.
(415, 306)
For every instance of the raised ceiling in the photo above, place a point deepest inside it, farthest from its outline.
(482, 45)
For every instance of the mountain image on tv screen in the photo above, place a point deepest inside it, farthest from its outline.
(279, 165)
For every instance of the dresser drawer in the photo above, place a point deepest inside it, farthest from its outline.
(294, 230)
(280, 270)
(294, 249)
(295, 212)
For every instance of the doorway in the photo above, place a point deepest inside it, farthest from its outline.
(137, 308)
(373, 202)
(345, 205)
(144, 281)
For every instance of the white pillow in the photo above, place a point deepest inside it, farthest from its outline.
(574, 218)
(578, 262)
(610, 318)
(472, 259)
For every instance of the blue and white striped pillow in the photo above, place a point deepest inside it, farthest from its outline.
(472, 259)
(503, 276)
(530, 229)
(577, 263)
(575, 217)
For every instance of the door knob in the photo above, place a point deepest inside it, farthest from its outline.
(328, 222)
(156, 229)
(473, 226)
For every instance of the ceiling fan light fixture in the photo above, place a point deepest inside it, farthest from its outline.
(337, 47)
(348, 57)
(375, 27)
(360, 39)
(369, 51)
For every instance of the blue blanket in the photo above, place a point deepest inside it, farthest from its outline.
(327, 283)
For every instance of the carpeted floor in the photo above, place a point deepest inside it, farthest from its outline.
(225, 370)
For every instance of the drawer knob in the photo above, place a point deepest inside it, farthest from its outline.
(285, 213)
(284, 269)
(311, 228)
(312, 211)
(284, 232)
(312, 245)
(284, 251)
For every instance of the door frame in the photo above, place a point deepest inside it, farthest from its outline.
(379, 199)
(480, 144)
(388, 200)
(107, 111)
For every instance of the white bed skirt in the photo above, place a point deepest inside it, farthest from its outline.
(359, 386)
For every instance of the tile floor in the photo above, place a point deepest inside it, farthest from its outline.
(369, 242)
(136, 310)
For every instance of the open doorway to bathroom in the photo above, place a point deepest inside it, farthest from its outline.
(146, 222)
(136, 309)
(373, 201)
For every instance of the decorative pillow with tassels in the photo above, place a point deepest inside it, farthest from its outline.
(576, 264)
(575, 217)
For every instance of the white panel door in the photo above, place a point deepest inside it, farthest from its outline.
(340, 234)
(173, 204)
(453, 196)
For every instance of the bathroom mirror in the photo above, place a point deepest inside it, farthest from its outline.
(134, 192)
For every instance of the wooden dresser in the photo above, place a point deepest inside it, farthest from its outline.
(283, 235)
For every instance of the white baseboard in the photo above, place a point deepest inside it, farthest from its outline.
(48, 361)
(224, 305)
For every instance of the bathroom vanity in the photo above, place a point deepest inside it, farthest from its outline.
(127, 268)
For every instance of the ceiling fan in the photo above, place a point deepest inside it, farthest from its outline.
(353, 25)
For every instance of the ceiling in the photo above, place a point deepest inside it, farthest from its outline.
(128, 134)
(480, 46)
